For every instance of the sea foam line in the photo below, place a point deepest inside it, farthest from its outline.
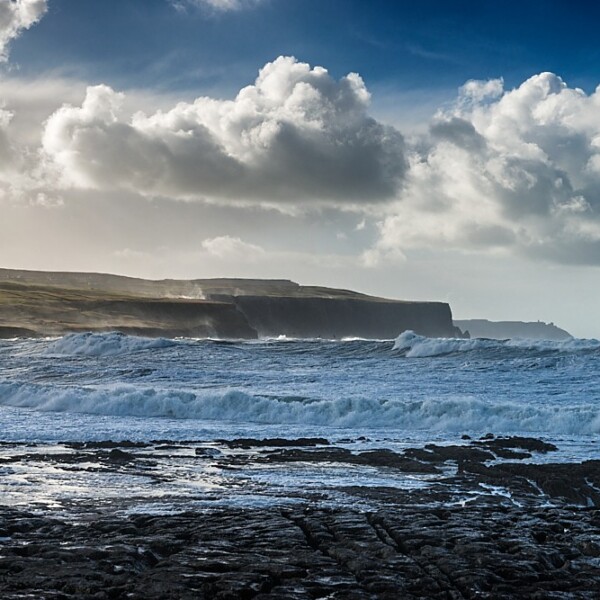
(437, 414)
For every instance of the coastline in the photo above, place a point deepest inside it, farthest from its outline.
(39, 303)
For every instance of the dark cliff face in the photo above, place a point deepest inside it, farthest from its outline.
(54, 303)
(336, 318)
(173, 318)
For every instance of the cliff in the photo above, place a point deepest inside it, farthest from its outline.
(47, 303)
(343, 317)
(502, 330)
(29, 310)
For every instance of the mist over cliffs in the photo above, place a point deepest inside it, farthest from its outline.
(53, 303)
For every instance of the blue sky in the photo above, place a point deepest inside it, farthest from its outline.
(461, 163)
(430, 44)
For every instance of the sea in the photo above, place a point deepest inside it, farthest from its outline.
(397, 393)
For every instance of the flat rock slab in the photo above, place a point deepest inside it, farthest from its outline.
(478, 528)
(469, 552)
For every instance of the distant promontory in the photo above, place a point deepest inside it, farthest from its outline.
(501, 330)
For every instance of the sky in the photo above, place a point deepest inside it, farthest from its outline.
(431, 150)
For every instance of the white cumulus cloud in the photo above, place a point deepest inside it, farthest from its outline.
(505, 170)
(296, 135)
(16, 16)
(232, 248)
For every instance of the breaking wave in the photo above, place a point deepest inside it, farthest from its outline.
(413, 345)
(453, 414)
(407, 344)
(103, 344)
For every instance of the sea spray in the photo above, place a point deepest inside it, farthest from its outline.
(103, 344)
(417, 346)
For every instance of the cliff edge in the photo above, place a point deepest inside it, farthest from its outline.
(53, 303)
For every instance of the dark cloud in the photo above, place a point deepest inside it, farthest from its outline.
(459, 132)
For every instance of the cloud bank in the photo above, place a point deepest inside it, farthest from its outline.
(16, 16)
(508, 171)
(505, 170)
(296, 135)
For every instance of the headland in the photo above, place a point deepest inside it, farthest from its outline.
(38, 303)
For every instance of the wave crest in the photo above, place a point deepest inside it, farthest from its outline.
(103, 344)
(454, 414)
(417, 346)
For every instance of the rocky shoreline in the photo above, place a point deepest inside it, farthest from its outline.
(482, 519)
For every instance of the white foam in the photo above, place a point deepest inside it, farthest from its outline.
(103, 344)
(454, 414)
(417, 346)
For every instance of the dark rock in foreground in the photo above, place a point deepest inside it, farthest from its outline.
(247, 443)
(482, 528)
(411, 552)
(518, 442)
